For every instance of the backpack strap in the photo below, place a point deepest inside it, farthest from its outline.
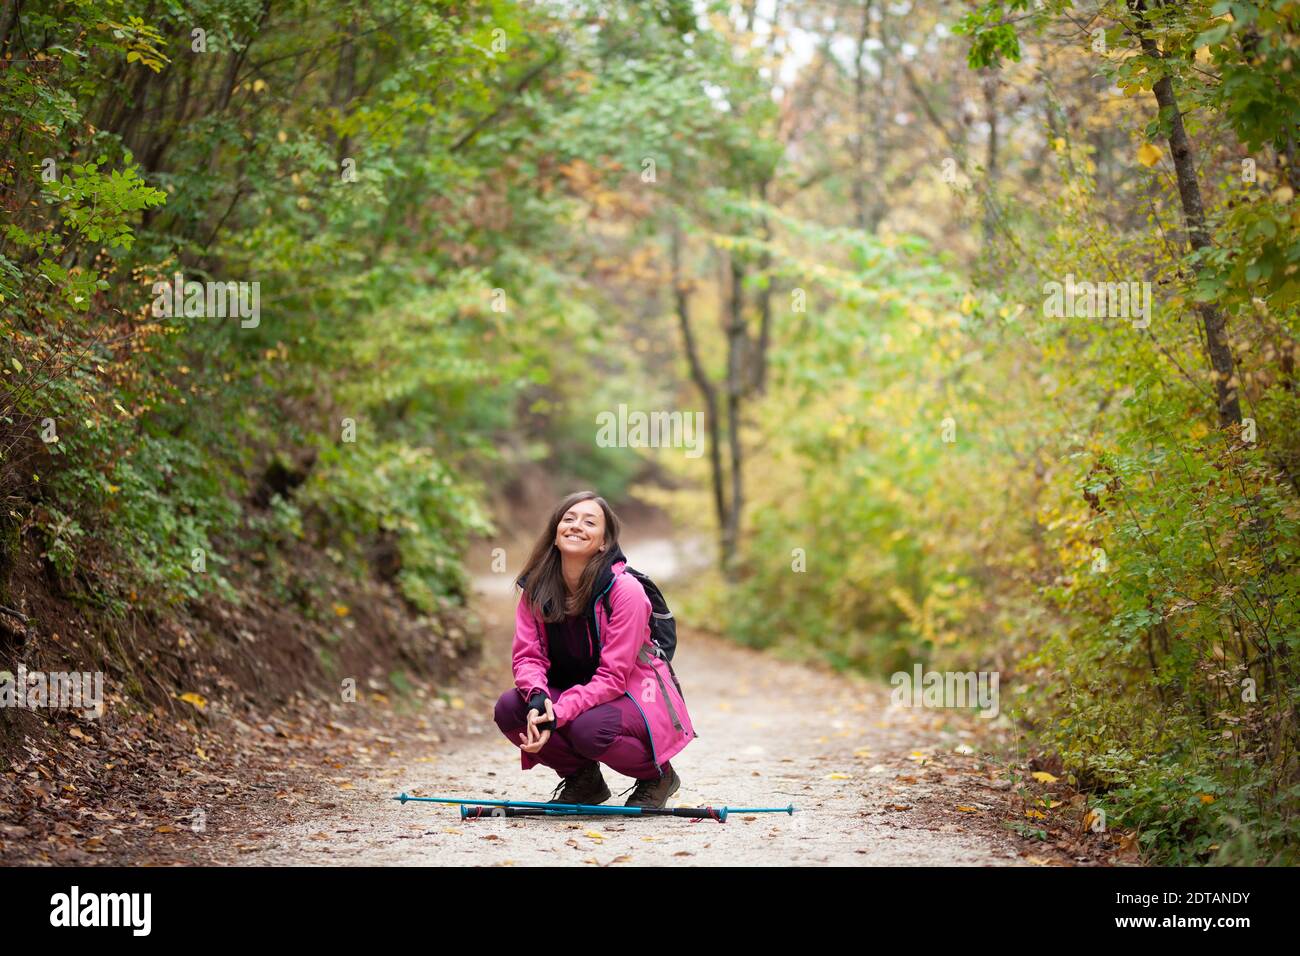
(672, 711)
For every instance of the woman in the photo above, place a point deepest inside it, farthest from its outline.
(589, 687)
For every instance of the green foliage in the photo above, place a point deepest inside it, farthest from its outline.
(410, 224)
(1085, 529)
(368, 491)
(993, 36)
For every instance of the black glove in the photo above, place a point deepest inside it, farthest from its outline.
(538, 703)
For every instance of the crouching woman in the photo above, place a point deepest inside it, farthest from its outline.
(589, 687)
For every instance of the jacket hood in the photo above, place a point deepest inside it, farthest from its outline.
(606, 576)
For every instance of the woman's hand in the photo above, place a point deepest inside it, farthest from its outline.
(536, 739)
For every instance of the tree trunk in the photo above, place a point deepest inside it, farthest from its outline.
(701, 379)
(860, 121)
(736, 378)
(8, 17)
(990, 154)
(345, 81)
(876, 209)
(759, 377)
(1198, 236)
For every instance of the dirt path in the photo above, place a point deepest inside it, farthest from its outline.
(873, 785)
(312, 783)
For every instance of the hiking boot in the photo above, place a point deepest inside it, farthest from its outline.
(655, 791)
(585, 786)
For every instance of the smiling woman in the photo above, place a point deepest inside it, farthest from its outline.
(588, 687)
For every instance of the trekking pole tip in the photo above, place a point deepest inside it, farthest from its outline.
(402, 798)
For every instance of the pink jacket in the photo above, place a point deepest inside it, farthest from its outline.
(628, 665)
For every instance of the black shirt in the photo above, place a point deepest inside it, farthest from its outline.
(573, 652)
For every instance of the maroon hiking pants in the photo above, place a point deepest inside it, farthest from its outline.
(614, 734)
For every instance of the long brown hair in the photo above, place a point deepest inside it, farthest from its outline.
(544, 570)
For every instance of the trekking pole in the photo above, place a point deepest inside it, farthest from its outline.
(701, 813)
(572, 809)
(474, 812)
(575, 809)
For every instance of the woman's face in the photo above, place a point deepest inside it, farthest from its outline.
(581, 531)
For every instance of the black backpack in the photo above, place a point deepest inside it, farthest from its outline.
(663, 628)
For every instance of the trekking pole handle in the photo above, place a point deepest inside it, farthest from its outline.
(702, 813)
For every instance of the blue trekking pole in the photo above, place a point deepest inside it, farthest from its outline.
(471, 809)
